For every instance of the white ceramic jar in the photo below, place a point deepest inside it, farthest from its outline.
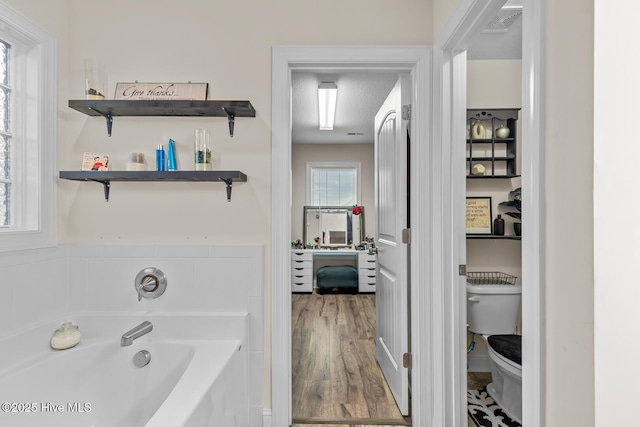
(503, 132)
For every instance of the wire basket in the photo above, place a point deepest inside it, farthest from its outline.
(490, 278)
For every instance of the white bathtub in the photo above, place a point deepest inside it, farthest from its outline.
(197, 376)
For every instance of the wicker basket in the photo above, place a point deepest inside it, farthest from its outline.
(490, 278)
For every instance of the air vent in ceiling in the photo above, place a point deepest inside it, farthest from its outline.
(503, 20)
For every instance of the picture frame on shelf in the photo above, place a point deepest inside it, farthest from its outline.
(95, 162)
(479, 218)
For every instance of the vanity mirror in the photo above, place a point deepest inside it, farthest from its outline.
(334, 226)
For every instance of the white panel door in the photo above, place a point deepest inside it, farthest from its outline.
(392, 275)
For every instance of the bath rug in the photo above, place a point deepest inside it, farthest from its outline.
(484, 411)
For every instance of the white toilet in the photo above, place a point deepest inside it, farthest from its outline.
(492, 312)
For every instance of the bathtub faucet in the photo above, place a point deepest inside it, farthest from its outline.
(140, 330)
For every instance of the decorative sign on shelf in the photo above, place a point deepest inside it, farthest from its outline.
(161, 91)
(95, 162)
(479, 219)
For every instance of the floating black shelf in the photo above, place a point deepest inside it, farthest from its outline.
(492, 176)
(108, 109)
(488, 159)
(492, 236)
(489, 141)
(105, 178)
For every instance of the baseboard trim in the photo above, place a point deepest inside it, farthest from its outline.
(478, 363)
(404, 421)
(266, 418)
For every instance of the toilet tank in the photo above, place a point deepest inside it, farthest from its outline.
(493, 309)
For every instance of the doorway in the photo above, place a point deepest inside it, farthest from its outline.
(414, 60)
(494, 93)
(467, 21)
(334, 373)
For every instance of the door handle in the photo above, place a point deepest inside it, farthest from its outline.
(473, 299)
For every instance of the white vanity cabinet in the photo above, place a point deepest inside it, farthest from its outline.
(301, 271)
(302, 267)
(367, 264)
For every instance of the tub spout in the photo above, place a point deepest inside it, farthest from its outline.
(140, 330)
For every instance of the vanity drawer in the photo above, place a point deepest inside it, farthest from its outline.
(306, 273)
(301, 256)
(366, 287)
(369, 269)
(367, 278)
(301, 264)
(367, 266)
(367, 260)
(300, 286)
(301, 278)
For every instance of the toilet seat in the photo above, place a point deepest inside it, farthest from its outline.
(507, 349)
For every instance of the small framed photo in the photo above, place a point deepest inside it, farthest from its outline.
(95, 162)
(479, 218)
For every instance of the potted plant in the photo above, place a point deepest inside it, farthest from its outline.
(515, 201)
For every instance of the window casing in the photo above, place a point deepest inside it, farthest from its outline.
(28, 146)
(333, 183)
(5, 133)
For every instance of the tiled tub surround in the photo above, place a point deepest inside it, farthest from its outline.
(85, 278)
(196, 377)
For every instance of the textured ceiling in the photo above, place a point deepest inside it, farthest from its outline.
(360, 95)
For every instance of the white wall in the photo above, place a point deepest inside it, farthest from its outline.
(494, 83)
(442, 11)
(303, 153)
(228, 45)
(569, 243)
(616, 249)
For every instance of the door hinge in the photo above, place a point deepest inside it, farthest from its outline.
(462, 270)
(406, 112)
(406, 360)
(406, 236)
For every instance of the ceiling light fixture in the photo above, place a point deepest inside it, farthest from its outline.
(327, 96)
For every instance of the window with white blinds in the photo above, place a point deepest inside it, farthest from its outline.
(333, 183)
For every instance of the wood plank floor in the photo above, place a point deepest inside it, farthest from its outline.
(335, 376)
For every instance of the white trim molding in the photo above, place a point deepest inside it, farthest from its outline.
(450, 103)
(533, 242)
(266, 418)
(426, 336)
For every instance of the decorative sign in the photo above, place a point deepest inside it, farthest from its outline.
(158, 91)
(95, 162)
(478, 215)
